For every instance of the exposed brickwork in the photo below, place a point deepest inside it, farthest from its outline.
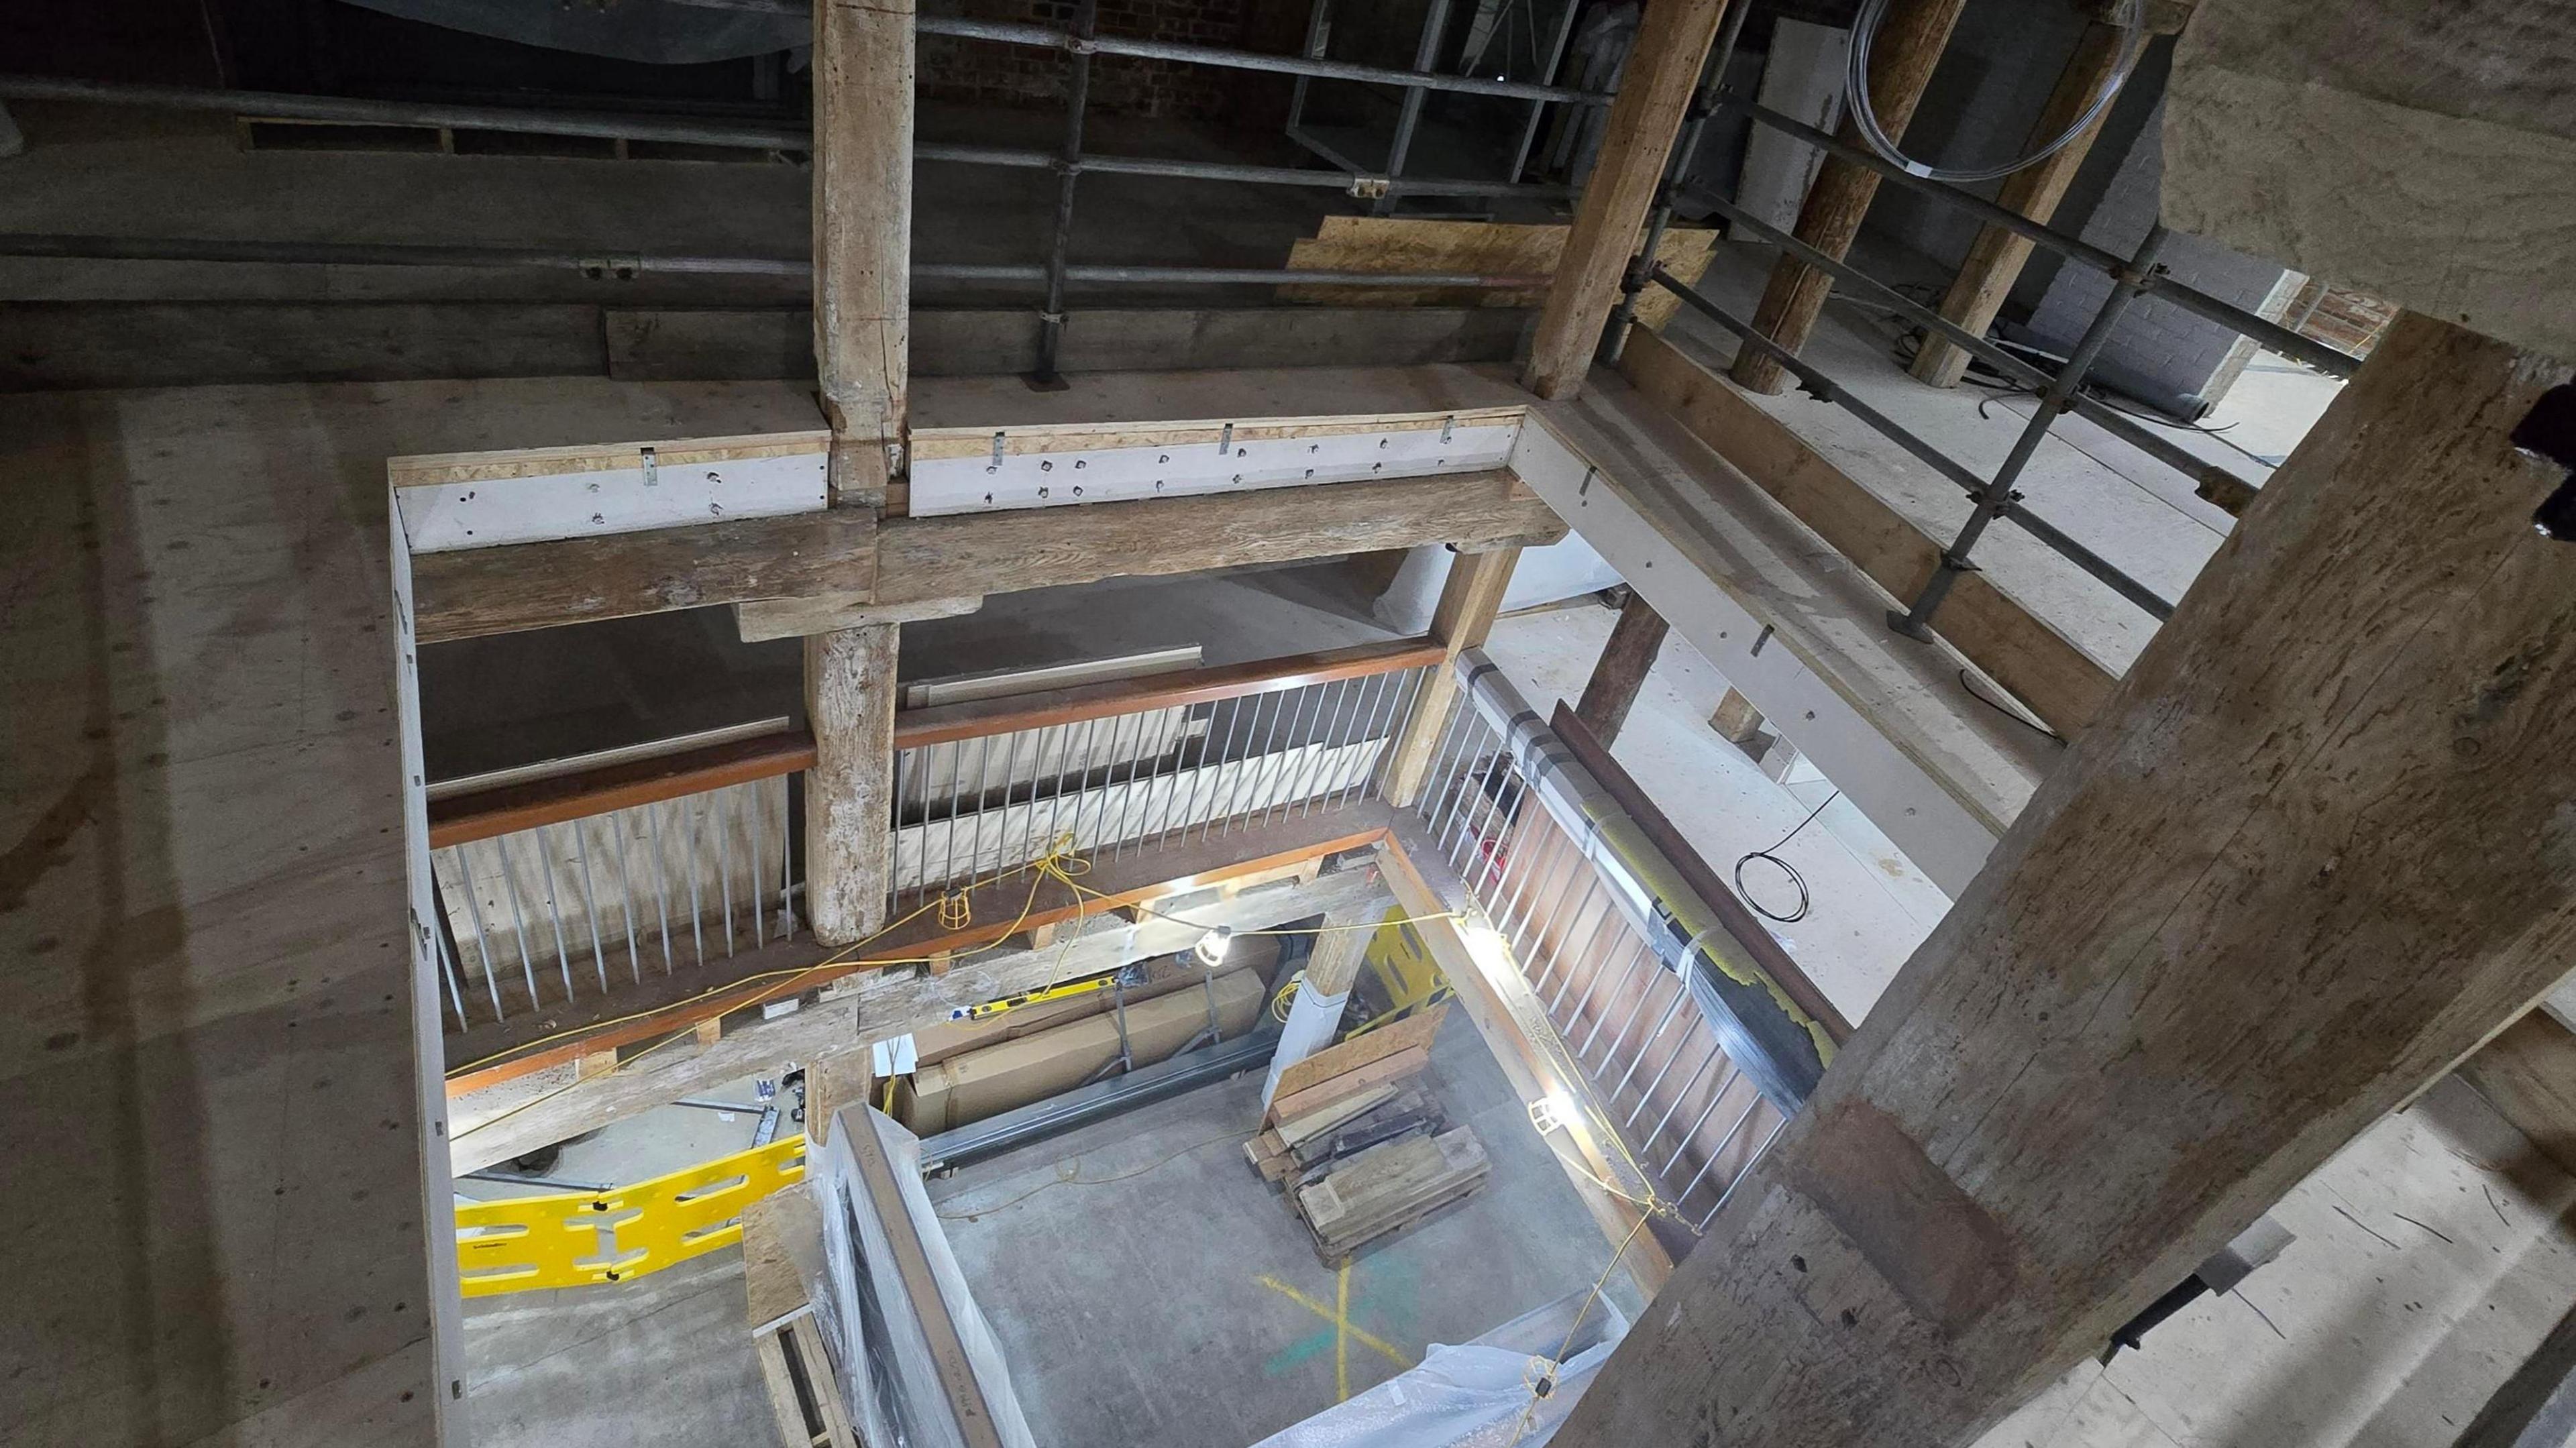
(987, 73)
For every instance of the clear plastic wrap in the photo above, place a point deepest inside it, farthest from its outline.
(1476, 1395)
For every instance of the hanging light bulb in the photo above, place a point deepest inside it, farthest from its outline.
(1210, 951)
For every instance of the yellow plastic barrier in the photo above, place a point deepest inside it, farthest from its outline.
(576, 1238)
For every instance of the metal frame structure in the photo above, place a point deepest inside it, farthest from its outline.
(1994, 496)
(1435, 20)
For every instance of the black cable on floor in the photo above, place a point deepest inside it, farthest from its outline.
(1785, 867)
(2004, 709)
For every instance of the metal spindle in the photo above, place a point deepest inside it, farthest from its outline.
(1744, 1173)
(1719, 1150)
(554, 908)
(1637, 958)
(518, 914)
(748, 798)
(1725, 1084)
(661, 880)
(482, 941)
(1681, 994)
(1683, 1144)
(590, 906)
(697, 913)
(715, 815)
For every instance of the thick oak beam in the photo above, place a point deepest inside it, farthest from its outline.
(1469, 599)
(1902, 59)
(849, 791)
(2315, 850)
(1042, 547)
(1663, 66)
(863, 123)
(1622, 668)
(1995, 261)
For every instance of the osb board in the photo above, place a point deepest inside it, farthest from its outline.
(1484, 248)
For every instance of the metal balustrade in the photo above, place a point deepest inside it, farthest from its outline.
(535, 917)
(1166, 761)
(1694, 1100)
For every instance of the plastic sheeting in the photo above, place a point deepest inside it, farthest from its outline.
(905, 1379)
(1478, 1395)
(657, 32)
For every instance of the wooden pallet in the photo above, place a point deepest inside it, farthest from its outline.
(781, 1236)
(1387, 1189)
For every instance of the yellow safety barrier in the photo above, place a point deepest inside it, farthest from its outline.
(576, 1238)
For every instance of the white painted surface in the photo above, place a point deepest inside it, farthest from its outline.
(1937, 829)
(485, 513)
(1004, 478)
(1802, 78)
(1871, 906)
(1550, 573)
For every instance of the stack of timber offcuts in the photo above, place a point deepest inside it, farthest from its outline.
(1359, 1150)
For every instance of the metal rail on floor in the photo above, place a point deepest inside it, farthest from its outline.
(1099, 1101)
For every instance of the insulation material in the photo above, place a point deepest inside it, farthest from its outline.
(978, 1084)
(917, 1363)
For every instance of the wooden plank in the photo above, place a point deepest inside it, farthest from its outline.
(480, 591)
(1463, 248)
(849, 790)
(1297, 1131)
(1622, 668)
(940, 443)
(1736, 720)
(2313, 853)
(2528, 1074)
(1902, 58)
(1996, 259)
(1662, 69)
(2043, 668)
(1469, 598)
(463, 818)
(1406, 1062)
(503, 465)
(1415, 1030)
(863, 122)
(990, 553)
(782, 1239)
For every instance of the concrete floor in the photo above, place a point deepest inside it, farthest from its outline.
(1150, 1290)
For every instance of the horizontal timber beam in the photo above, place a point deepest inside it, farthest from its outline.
(1004, 552)
(975, 718)
(888, 1005)
(848, 556)
(507, 809)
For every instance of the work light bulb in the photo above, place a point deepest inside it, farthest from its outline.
(1212, 946)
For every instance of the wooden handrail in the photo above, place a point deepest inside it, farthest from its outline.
(510, 808)
(981, 718)
(507, 809)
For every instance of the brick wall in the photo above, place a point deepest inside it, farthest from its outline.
(986, 73)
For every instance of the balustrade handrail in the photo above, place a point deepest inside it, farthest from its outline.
(510, 808)
(979, 718)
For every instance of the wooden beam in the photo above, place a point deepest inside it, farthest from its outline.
(1995, 261)
(1737, 721)
(2043, 668)
(863, 122)
(849, 791)
(464, 818)
(921, 558)
(1902, 59)
(2314, 852)
(1663, 66)
(885, 1006)
(1622, 668)
(764, 619)
(1469, 599)
(476, 591)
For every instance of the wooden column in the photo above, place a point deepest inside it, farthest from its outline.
(849, 792)
(843, 1078)
(1672, 43)
(1469, 600)
(1339, 948)
(1994, 263)
(2315, 849)
(1621, 671)
(1902, 60)
(863, 84)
